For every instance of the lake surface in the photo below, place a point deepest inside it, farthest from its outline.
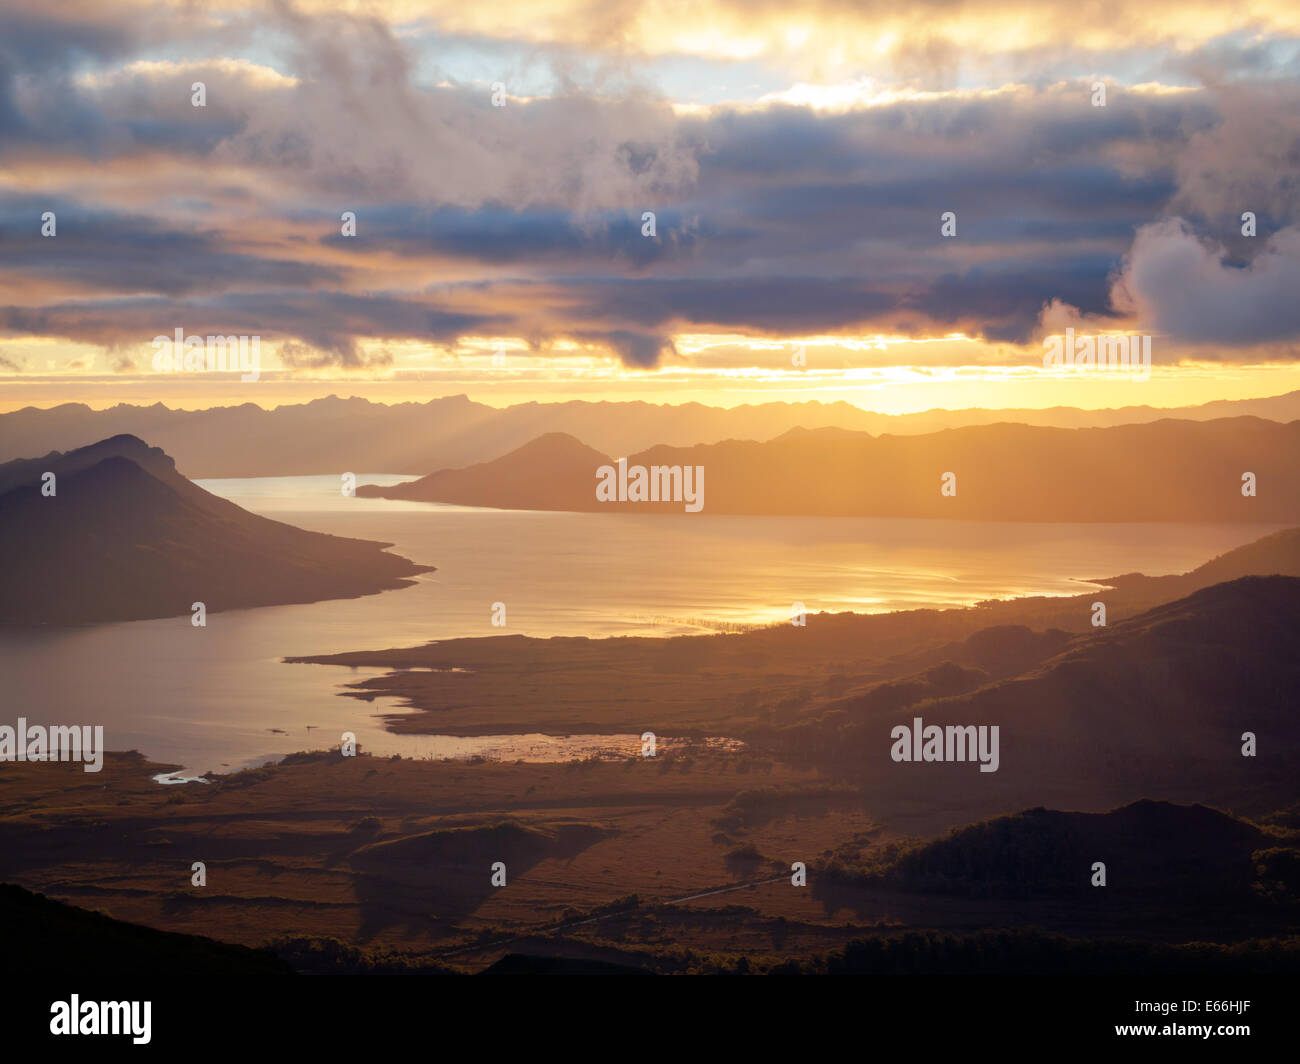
(219, 698)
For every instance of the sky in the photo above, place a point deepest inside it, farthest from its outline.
(895, 205)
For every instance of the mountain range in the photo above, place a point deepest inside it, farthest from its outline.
(334, 435)
(1161, 471)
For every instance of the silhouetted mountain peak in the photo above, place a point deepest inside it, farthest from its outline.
(28, 473)
(124, 536)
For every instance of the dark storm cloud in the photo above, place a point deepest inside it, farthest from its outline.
(42, 43)
(637, 349)
(497, 234)
(111, 252)
(328, 321)
(781, 220)
(54, 36)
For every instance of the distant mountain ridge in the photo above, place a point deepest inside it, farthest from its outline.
(126, 537)
(1162, 471)
(334, 435)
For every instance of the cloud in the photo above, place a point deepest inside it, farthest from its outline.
(929, 42)
(524, 220)
(1248, 158)
(1181, 285)
(636, 349)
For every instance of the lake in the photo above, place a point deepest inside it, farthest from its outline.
(220, 698)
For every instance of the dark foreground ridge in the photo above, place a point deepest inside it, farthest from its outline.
(44, 938)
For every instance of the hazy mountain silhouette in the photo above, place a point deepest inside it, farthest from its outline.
(126, 537)
(540, 475)
(334, 435)
(1163, 471)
